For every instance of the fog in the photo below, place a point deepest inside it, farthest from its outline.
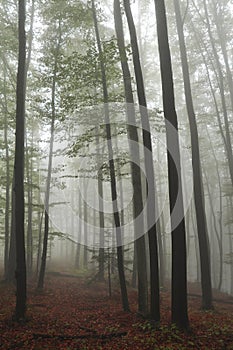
(88, 184)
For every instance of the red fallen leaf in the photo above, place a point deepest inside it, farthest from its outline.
(77, 316)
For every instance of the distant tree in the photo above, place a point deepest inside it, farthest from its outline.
(227, 134)
(179, 269)
(21, 292)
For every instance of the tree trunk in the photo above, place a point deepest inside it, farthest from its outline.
(135, 169)
(29, 161)
(197, 175)
(12, 249)
(40, 284)
(77, 257)
(29, 214)
(101, 207)
(152, 204)
(116, 214)
(21, 288)
(85, 233)
(7, 205)
(179, 268)
(40, 222)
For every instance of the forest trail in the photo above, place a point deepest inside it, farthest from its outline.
(74, 314)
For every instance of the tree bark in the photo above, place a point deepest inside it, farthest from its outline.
(179, 268)
(101, 208)
(40, 284)
(152, 203)
(21, 288)
(197, 174)
(7, 205)
(135, 169)
(116, 214)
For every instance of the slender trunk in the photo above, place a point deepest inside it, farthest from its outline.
(134, 274)
(7, 205)
(29, 216)
(152, 204)
(179, 268)
(116, 215)
(77, 257)
(85, 233)
(40, 222)
(29, 161)
(220, 213)
(197, 175)
(40, 284)
(101, 208)
(161, 231)
(135, 169)
(12, 250)
(230, 211)
(218, 235)
(21, 288)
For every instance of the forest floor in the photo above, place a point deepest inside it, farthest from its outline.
(73, 314)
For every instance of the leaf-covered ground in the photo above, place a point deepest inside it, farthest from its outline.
(71, 314)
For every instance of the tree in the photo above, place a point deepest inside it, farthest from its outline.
(135, 170)
(48, 180)
(7, 205)
(179, 269)
(29, 157)
(116, 214)
(152, 205)
(21, 293)
(197, 174)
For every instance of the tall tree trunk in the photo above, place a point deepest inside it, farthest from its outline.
(40, 223)
(116, 214)
(135, 169)
(77, 257)
(29, 161)
(7, 205)
(230, 211)
(11, 261)
(85, 232)
(197, 174)
(29, 214)
(179, 268)
(152, 203)
(40, 284)
(21, 288)
(101, 207)
(12, 249)
(220, 220)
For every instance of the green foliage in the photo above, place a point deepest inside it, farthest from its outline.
(80, 76)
